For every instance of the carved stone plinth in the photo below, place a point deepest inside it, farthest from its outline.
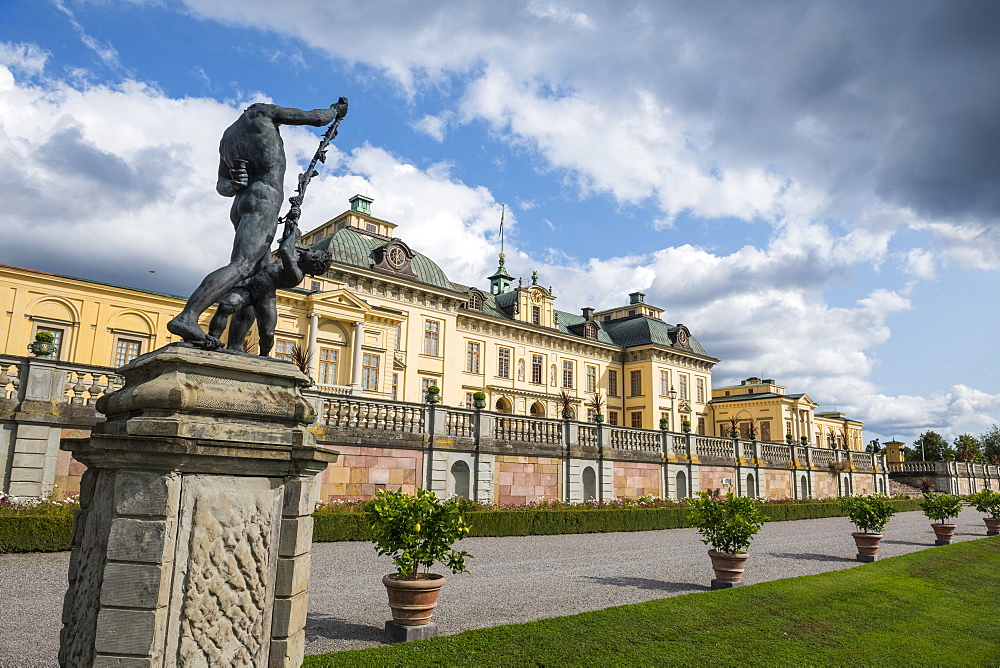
(191, 546)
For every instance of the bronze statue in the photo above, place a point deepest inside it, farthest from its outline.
(252, 170)
(257, 293)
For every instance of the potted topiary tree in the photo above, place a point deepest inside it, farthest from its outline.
(479, 400)
(988, 501)
(417, 532)
(686, 426)
(941, 507)
(728, 525)
(566, 402)
(43, 345)
(433, 395)
(869, 514)
(664, 423)
(597, 405)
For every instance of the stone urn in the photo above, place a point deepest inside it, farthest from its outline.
(413, 601)
(479, 404)
(943, 533)
(867, 544)
(728, 567)
(41, 348)
(992, 526)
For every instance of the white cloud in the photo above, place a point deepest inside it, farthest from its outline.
(29, 59)
(432, 126)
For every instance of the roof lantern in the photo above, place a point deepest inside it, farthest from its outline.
(636, 297)
(362, 204)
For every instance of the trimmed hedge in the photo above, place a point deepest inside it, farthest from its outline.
(53, 533)
(351, 526)
(36, 533)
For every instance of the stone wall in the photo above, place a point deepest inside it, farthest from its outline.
(526, 479)
(361, 471)
(775, 484)
(635, 479)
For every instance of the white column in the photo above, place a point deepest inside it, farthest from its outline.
(312, 351)
(356, 367)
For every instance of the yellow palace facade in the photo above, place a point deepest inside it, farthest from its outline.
(386, 322)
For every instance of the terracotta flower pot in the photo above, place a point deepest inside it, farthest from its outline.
(413, 601)
(728, 568)
(992, 526)
(867, 544)
(943, 533)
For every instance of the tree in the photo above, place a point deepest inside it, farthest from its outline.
(932, 447)
(991, 444)
(968, 449)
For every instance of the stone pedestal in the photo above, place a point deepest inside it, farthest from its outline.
(191, 546)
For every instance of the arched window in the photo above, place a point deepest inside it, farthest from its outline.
(460, 479)
(682, 488)
(590, 330)
(503, 406)
(751, 486)
(589, 484)
(475, 301)
(537, 410)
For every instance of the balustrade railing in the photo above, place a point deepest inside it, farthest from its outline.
(913, 467)
(587, 435)
(714, 447)
(528, 430)
(10, 377)
(357, 413)
(342, 390)
(634, 439)
(862, 461)
(459, 422)
(679, 445)
(86, 387)
(772, 452)
(821, 457)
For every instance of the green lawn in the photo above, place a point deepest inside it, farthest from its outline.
(938, 606)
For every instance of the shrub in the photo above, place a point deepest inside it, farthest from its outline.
(45, 337)
(869, 514)
(940, 507)
(417, 531)
(727, 525)
(987, 501)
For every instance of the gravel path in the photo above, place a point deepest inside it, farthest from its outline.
(511, 580)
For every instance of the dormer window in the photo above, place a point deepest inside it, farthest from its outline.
(590, 330)
(476, 301)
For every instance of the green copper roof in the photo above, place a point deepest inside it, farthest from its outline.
(355, 248)
(754, 396)
(643, 330)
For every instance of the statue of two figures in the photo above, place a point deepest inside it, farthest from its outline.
(252, 171)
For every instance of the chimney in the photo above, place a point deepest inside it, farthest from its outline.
(588, 313)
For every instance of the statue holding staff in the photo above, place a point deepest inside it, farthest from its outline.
(251, 170)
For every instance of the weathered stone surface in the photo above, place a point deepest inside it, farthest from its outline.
(123, 662)
(296, 536)
(293, 575)
(289, 615)
(398, 633)
(126, 631)
(301, 495)
(141, 493)
(287, 652)
(137, 540)
(133, 586)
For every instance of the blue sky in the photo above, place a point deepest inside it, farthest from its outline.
(813, 188)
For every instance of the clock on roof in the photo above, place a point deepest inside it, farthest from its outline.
(396, 257)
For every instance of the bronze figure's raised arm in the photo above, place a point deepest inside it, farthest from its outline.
(252, 170)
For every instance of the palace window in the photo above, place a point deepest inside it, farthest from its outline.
(472, 356)
(503, 362)
(664, 383)
(567, 374)
(397, 337)
(476, 301)
(765, 430)
(469, 400)
(57, 339)
(283, 349)
(590, 330)
(682, 381)
(612, 383)
(591, 378)
(536, 315)
(394, 388)
(369, 227)
(328, 366)
(636, 417)
(432, 335)
(613, 418)
(536, 369)
(635, 383)
(700, 389)
(369, 372)
(126, 350)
